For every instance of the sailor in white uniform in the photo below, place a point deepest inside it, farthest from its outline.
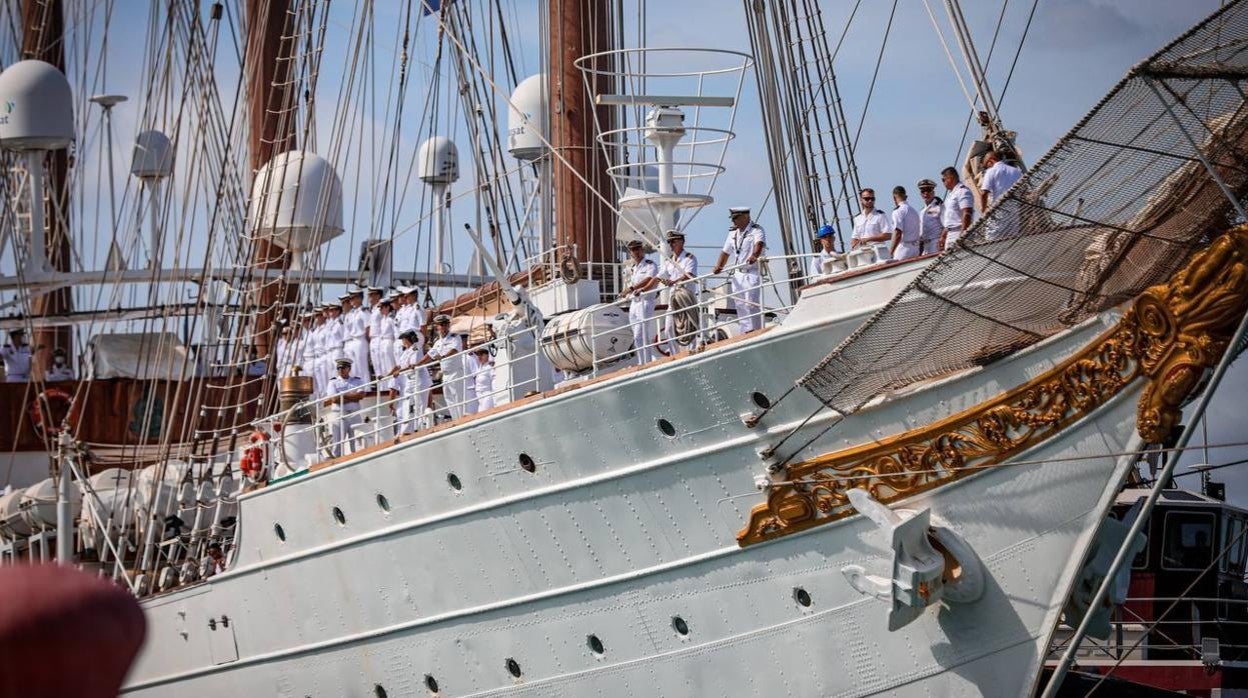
(929, 217)
(342, 396)
(414, 384)
(444, 350)
(483, 377)
(372, 311)
(60, 370)
(384, 333)
(744, 244)
(307, 350)
(642, 281)
(997, 179)
(826, 236)
(355, 334)
(959, 208)
(907, 228)
(409, 316)
(283, 352)
(872, 227)
(331, 340)
(16, 356)
(678, 271)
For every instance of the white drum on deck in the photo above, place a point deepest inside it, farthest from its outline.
(573, 341)
(12, 525)
(39, 504)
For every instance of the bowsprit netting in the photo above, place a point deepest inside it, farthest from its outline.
(1116, 206)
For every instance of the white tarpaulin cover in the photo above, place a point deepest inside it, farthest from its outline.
(148, 356)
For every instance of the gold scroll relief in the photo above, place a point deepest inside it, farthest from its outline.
(1171, 336)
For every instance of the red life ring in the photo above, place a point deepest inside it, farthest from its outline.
(58, 404)
(255, 458)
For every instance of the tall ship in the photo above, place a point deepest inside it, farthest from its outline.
(556, 456)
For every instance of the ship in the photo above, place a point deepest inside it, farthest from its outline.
(791, 495)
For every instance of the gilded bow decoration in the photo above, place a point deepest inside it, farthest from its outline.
(1173, 333)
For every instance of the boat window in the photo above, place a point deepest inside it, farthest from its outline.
(1235, 540)
(1188, 540)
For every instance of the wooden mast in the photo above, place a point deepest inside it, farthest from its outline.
(583, 220)
(43, 23)
(271, 111)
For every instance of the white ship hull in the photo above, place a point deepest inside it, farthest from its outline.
(620, 530)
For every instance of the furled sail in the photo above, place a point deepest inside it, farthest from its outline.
(1116, 206)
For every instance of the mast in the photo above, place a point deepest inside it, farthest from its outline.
(43, 23)
(584, 221)
(271, 114)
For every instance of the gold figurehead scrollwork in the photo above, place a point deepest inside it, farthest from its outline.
(1171, 336)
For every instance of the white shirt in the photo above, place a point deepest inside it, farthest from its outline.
(408, 360)
(59, 373)
(332, 339)
(930, 219)
(872, 224)
(816, 264)
(645, 269)
(339, 385)
(353, 324)
(906, 219)
(740, 245)
(442, 348)
(384, 329)
(958, 198)
(374, 320)
(16, 362)
(484, 378)
(673, 269)
(999, 178)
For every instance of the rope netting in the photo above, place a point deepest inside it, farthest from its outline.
(1117, 205)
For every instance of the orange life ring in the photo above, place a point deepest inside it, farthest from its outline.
(58, 404)
(255, 457)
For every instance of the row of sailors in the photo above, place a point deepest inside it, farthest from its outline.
(467, 384)
(908, 232)
(16, 356)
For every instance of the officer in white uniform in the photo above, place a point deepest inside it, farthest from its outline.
(483, 377)
(384, 333)
(307, 350)
(332, 340)
(677, 272)
(414, 381)
(745, 243)
(444, 350)
(907, 229)
(997, 179)
(410, 317)
(342, 396)
(872, 227)
(372, 312)
(959, 209)
(643, 279)
(60, 370)
(16, 356)
(826, 236)
(283, 352)
(929, 218)
(355, 335)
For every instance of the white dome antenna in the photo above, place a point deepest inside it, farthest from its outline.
(526, 119)
(296, 201)
(152, 164)
(437, 164)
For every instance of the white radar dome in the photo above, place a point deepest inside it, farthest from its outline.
(296, 200)
(153, 156)
(437, 161)
(36, 107)
(528, 106)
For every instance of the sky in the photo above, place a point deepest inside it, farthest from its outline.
(1075, 51)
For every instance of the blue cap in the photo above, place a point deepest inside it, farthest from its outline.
(825, 231)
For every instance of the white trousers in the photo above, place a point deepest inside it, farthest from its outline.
(906, 250)
(640, 318)
(747, 293)
(341, 431)
(356, 349)
(951, 236)
(453, 393)
(930, 246)
(470, 394)
(412, 406)
(381, 353)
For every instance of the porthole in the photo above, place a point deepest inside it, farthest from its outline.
(340, 517)
(802, 597)
(680, 626)
(595, 645)
(383, 503)
(513, 668)
(453, 480)
(527, 464)
(760, 400)
(431, 683)
(379, 690)
(666, 427)
(279, 532)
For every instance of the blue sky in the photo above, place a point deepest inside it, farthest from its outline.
(1076, 50)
